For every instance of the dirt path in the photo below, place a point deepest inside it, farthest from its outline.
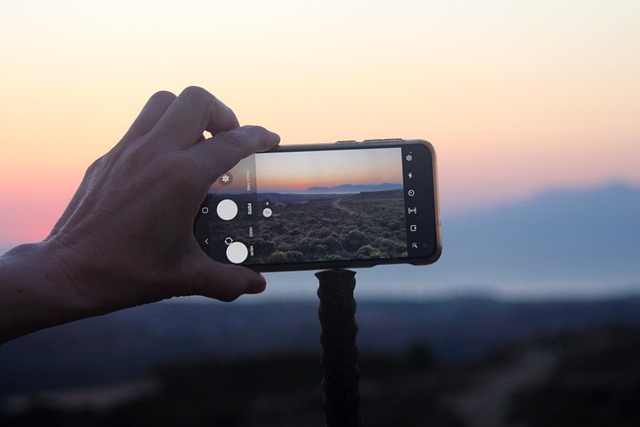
(98, 398)
(337, 205)
(485, 403)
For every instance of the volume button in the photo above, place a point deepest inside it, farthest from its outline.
(383, 141)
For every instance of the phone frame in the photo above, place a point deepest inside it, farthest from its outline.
(360, 263)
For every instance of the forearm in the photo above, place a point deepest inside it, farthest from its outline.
(35, 292)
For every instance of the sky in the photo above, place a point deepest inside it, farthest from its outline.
(516, 97)
(283, 171)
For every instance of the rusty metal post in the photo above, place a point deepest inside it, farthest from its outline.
(341, 375)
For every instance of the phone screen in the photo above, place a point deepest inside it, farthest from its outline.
(339, 206)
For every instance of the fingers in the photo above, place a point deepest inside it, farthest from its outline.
(151, 113)
(190, 114)
(168, 123)
(220, 153)
(238, 284)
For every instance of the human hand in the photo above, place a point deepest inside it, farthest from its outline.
(126, 237)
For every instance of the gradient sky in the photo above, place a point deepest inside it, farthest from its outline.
(282, 171)
(516, 97)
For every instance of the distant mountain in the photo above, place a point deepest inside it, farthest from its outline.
(560, 243)
(355, 188)
(587, 239)
(297, 197)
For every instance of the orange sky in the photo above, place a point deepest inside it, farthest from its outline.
(282, 171)
(516, 97)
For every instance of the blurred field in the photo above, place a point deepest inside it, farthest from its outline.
(464, 362)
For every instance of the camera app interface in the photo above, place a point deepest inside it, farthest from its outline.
(296, 207)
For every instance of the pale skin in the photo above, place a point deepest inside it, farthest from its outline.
(126, 237)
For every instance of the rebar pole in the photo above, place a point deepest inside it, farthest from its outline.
(341, 374)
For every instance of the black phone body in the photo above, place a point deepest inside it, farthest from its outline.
(317, 206)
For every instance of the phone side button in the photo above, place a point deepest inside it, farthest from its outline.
(350, 141)
(383, 141)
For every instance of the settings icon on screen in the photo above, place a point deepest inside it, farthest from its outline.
(225, 179)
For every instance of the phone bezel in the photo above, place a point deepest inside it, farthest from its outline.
(363, 263)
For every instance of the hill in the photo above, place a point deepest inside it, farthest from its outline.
(560, 244)
(587, 378)
(127, 344)
(355, 188)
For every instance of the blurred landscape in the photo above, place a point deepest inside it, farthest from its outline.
(532, 317)
(563, 243)
(449, 362)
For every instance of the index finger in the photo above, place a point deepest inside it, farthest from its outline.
(191, 113)
(222, 152)
(151, 113)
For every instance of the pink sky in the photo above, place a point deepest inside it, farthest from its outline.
(281, 172)
(516, 97)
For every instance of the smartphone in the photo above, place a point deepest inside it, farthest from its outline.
(347, 204)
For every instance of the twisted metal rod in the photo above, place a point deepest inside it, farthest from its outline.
(341, 375)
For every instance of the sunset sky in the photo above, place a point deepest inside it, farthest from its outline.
(282, 171)
(516, 97)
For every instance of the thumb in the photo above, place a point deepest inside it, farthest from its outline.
(226, 282)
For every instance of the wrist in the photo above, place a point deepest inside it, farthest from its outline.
(37, 291)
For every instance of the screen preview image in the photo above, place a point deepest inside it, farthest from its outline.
(296, 207)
